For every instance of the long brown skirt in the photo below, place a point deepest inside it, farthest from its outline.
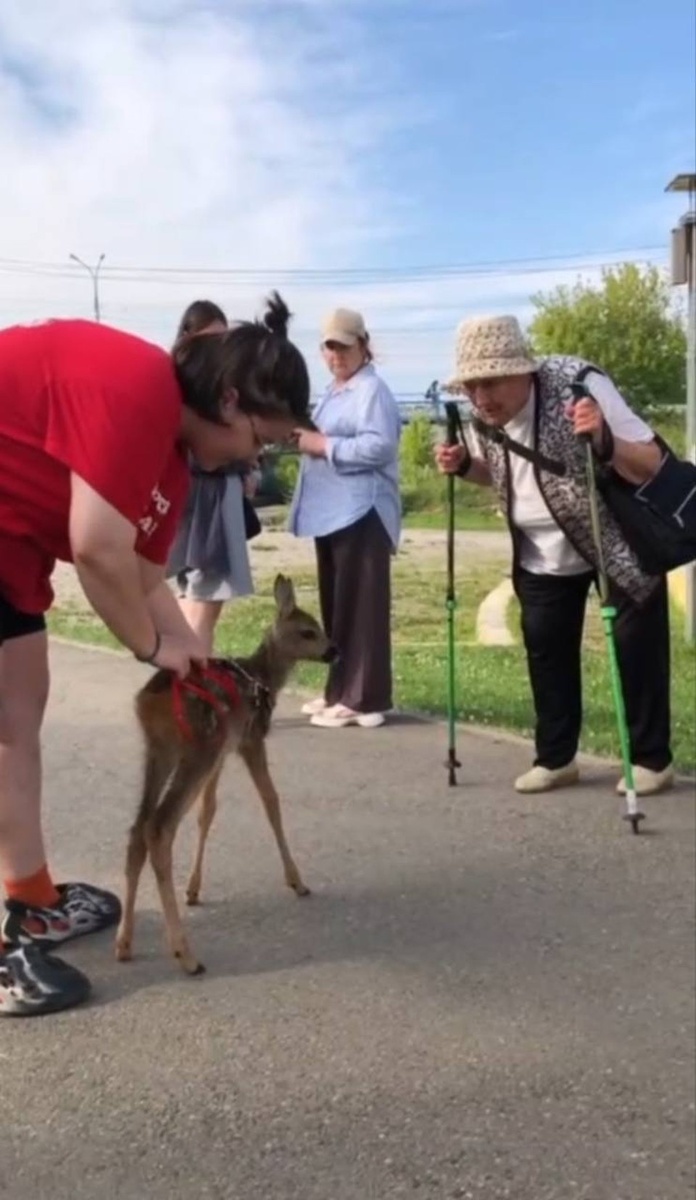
(354, 568)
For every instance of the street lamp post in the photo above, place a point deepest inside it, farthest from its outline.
(684, 272)
(94, 273)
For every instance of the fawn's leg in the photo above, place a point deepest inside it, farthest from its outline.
(179, 795)
(135, 861)
(254, 755)
(206, 814)
(159, 763)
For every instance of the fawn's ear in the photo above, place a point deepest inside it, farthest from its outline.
(284, 594)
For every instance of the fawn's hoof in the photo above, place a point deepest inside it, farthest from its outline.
(192, 898)
(300, 889)
(123, 951)
(190, 964)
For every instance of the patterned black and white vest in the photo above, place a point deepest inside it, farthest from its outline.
(566, 496)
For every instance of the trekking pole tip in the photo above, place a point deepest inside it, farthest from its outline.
(452, 764)
(634, 819)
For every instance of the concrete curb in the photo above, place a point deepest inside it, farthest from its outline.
(676, 584)
(491, 618)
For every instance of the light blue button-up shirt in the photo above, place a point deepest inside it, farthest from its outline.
(362, 423)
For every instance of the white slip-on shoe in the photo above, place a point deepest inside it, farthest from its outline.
(544, 779)
(647, 782)
(314, 706)
(339, 717)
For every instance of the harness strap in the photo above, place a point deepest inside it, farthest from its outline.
(207, 675)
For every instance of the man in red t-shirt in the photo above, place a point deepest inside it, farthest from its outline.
(96, 426)
(80, 399)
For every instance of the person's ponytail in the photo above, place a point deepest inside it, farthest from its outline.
(254, 358)
(277, 316)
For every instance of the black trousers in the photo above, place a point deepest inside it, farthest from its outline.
(553, 614)
(354, 569)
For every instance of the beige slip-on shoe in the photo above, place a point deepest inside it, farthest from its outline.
(647, 782)
(544, 779)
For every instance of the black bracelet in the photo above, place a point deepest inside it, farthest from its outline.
(465, 466)
(150, 657)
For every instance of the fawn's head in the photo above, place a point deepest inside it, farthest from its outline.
(296, 632)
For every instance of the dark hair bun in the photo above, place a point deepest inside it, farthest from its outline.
(277, 315)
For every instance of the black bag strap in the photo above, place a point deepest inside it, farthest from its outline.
(455, 433)
(533, 456)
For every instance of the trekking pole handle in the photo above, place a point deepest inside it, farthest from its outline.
(580, 392)
(605, 452)
(452, 423)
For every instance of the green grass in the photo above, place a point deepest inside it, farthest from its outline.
(425, 507)
(424, 498)
(491, 681)
(471, 520)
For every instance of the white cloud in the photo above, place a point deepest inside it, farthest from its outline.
(166, 133)
(216, 134)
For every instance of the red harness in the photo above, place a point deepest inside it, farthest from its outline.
(212, 673)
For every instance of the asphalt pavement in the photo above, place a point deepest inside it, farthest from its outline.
(486, 996)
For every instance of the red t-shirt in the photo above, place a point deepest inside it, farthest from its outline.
(78, 396)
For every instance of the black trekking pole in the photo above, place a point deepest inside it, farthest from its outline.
(608, 612)
(453, 428)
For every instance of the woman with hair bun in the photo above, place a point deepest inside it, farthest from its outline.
(96, 429)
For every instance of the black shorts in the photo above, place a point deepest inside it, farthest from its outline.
(14, 623)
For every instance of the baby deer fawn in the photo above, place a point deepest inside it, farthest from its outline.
(189, 727)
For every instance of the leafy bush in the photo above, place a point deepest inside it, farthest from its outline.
(671, 425)
(286, 470)
(416, 450)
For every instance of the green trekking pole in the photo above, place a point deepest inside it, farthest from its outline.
(453, 426)
(608, 613)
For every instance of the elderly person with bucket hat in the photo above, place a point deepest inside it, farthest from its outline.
(525, 423)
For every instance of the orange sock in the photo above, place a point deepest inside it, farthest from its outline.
(36, 890)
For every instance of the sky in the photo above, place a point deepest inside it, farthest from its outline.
(420, 161)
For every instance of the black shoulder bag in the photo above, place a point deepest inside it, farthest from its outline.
(658, 517)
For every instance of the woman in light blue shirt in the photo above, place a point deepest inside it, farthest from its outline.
(347, 499)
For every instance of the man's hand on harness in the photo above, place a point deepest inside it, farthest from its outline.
(180, 654)
(172, 652)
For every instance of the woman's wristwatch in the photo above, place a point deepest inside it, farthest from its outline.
(150, 658)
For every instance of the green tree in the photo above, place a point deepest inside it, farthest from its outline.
(627, 325)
